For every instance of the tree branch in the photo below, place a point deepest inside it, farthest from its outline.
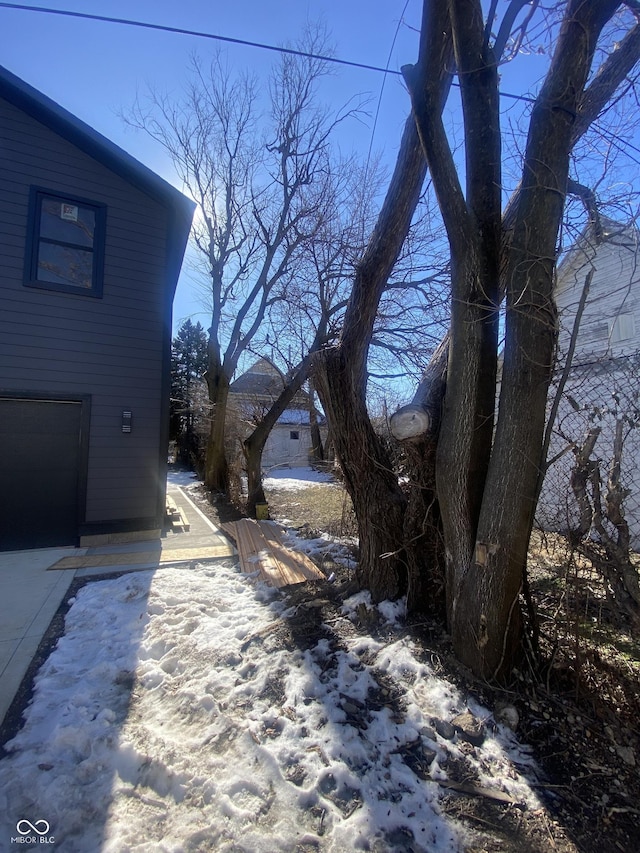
(610, 75)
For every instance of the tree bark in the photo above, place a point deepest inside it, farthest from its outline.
(216, 477)
(317, 450)
(486, 620)
(378, 501)
(472, 221)
(424, 543)
(340, 372)
(340, 376)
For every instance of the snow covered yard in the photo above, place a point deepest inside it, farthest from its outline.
(294, 479)
(180, 712)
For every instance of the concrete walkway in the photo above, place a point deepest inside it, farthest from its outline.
(33, 584)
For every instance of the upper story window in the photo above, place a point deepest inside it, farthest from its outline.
(65, 249)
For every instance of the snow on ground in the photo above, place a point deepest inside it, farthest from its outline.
(182, 478)
(294, 479)
(174, 716)
(338, 549)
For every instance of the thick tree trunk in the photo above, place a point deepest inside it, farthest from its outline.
(486, 620)
(472, 221)
(253, 461)
(487, 493)
(340, 376)
(378, 501)
(424, 543)
(340, 372)
(216, 476)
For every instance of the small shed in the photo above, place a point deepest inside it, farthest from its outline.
(91, 245)
(290, 441)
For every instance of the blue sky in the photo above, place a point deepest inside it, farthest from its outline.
(94, 69)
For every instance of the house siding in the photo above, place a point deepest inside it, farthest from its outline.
(602, 385)
(111, 348)
(615, 290)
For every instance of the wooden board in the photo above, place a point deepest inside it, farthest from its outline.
(273, 533)
(229, 529)
(262, 552)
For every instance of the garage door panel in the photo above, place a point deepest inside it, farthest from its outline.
(39, 471)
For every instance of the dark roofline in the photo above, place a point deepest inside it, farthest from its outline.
(74, 130)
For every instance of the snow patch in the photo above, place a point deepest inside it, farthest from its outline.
(294, 479)
(172, 716)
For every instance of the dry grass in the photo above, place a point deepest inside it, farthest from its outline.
(315, 509)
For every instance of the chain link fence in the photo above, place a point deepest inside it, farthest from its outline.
(593, 474)
(591, 489)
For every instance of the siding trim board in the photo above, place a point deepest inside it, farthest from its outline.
(123, 525)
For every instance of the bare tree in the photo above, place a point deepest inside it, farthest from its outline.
(260, 198)
(485, 481)
(311, 305)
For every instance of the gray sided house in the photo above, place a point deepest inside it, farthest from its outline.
(251, 395)
(91, 244)
(601, 398)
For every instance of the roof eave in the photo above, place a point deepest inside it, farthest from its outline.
(87, 139)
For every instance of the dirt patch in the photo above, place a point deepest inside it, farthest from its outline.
(316, 509)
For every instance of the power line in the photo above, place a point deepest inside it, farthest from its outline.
(384, 80)
(228, 39)
(613, 139)
(198, 33)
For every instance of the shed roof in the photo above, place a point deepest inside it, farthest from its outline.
(263, 378)
(87, 139)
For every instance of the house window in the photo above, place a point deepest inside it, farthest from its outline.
(622, 328)
(65, 249)
(294, 435)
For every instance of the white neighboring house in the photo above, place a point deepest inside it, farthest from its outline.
(603, 384)
(252, 394)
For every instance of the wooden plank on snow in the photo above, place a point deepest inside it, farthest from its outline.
(262, 552)
(229, 528)
(275, 535)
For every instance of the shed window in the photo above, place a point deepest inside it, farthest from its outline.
(66, 243)
(294, 435)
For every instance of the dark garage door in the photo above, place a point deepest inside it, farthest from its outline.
(39, 472)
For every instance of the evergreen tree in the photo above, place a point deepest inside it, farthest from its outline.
(188, 364)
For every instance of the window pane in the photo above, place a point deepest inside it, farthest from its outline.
(64, 265)
(67, 222)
